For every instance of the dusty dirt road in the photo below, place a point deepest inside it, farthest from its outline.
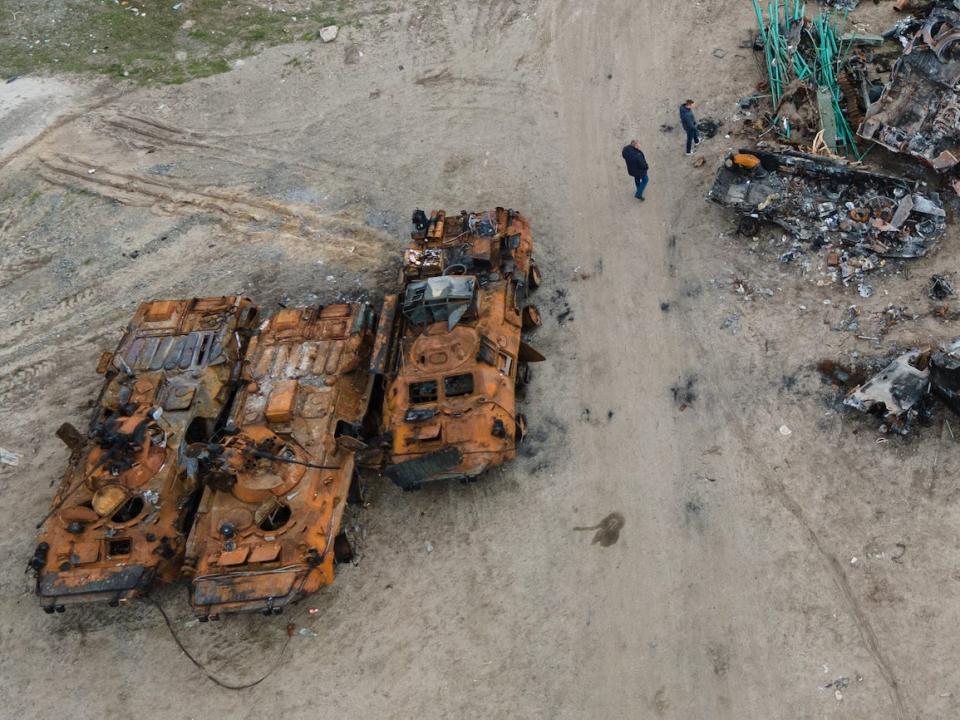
(753, 569)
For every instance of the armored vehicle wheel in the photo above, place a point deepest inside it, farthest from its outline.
(531, 317)
(524, 374)
(521, 430)
(534, 277)
(357, 495)
(342, 549)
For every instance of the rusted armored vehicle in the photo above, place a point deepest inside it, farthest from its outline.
(456, 356)
(121, 516)
(268, 527)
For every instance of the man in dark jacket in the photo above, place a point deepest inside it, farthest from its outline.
(689, 123)
(636, 166)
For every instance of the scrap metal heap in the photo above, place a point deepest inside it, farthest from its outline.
(919, 111)
(121, 516)
(457, 356)
(906, 389)
(857, 216)
(268, 527)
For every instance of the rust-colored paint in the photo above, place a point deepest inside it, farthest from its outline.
(276, 486)
(121, 516)
(465, 419)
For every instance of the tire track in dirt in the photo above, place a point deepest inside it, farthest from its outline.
(868, 635)
(338, 234)
(25, 379)
(54, 126)
(776, 490)
(44, 315)
(12, 268)
(145, 132)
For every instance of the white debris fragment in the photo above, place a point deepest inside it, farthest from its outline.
(329, 33)
(9, 457)
(785, 431)
(428, 546)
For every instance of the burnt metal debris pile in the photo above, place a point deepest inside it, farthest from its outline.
(906, 390)
(833, 92)
(223, 448)
(918, 113)
(858, 218)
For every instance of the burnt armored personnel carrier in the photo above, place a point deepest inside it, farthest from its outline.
(120, 518)
(456, 356)
(268, 527)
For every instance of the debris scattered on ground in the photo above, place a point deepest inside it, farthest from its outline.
(857, 217)
(785, 431)
(940, 288)
(9, 457)
(897, 393)
(906, 389)
(708, 127)
(841, 683)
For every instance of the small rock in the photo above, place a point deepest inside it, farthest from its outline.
(428, 546)
(329, 33)
(785, 431)
(180, 55)
(187, 25)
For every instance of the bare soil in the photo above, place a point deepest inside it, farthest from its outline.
(661, 549)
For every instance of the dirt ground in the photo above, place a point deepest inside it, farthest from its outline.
(754, 568)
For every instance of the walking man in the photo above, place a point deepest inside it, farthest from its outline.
(637, 167)
(689, 123)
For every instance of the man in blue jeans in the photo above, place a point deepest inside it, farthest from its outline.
(636, 166)
(689, 123)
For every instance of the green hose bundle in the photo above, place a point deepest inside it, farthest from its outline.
(817, 55)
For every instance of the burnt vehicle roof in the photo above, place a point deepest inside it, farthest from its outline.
(490, 242)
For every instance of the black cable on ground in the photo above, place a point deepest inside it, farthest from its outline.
(203, 669)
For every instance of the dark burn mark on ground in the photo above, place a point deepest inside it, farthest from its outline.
(684, 392)
(841, 375)
(560, 308)
(586, 417)
(607, 530)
